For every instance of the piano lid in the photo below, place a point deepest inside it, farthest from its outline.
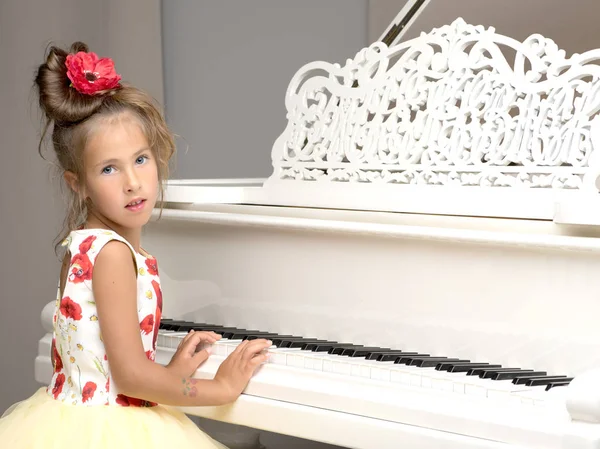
(443, 123)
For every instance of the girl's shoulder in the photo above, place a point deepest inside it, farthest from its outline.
(87, 243)
(92, 240)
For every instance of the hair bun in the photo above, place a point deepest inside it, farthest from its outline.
(60, 102)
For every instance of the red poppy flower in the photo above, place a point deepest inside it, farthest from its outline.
(126, 401)
(152, 266)
(88, 391)
(156, 327)
(150, 355)
(107, 385)
(70, 309)
(85, 246)
(147, 324)
(58, 385)
(123, 400)
(90, 74)
(158, 292)
(58, 364)
(81, 268)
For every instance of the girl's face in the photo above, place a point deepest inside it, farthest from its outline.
(121, 178)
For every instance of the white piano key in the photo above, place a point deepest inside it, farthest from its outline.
(224, 347)
(505, 392)
(231, 345)
(342, 367)
(278, 356)
(296, 359)
(173, 340)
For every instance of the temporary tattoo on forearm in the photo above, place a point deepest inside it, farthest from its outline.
(189, 387)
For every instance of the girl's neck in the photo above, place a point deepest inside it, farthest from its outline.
(133, 236)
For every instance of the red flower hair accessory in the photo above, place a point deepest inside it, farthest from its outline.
(90, 74)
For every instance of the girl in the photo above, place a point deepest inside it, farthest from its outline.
(113, 147)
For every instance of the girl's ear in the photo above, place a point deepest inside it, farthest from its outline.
(73, 182)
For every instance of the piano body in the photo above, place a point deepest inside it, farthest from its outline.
(432, 222)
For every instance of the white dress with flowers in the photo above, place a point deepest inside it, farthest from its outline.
(82, 400)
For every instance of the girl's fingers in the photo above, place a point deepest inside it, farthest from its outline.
(255, 347)
(187, 337)
(258, 360)
(208, 337)
(240, 348)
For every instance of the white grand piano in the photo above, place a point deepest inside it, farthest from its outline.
(432, 218)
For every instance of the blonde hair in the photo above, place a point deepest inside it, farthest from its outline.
(72, 116)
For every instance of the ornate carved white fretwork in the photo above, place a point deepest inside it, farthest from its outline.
(459, 106)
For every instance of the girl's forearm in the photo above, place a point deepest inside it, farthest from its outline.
(156, 383)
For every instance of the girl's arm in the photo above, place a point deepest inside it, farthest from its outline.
(115, 291)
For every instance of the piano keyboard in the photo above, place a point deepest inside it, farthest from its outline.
(394, 384)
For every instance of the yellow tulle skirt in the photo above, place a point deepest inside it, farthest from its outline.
(40, 422)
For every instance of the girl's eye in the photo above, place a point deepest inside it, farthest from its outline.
(140, 160)
(107, 170)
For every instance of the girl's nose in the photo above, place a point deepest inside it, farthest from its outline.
(133, 182)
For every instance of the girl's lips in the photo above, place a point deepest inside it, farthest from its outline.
(137, 206)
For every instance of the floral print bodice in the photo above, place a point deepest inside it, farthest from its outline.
(82, 373)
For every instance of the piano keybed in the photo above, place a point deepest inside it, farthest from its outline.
(395, 385)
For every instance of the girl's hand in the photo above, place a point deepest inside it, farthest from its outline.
(187, 359)
(236, 370)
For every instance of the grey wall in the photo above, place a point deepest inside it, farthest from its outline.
(31, 210)
(227, 67)
(572, 24)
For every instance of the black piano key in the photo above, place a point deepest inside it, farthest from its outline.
(338, 350)
(227, 333)
(324, 347)
(205, 327)
(431, 362)
(241, 335)
(546, 381)
(185, 327)
(407, 360)
(231, 333)
(480, 371)
(216, 330)
(267, 336)
(284, 339)
(523, 380)
(164, 322)
(488, 374)
(447, 366)
(362, 352)
(173, 325)
(558, 383)
(301, 343)
(177, 327)
(515, 374)
(467, 368)
(287, 342)
(390, 355)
